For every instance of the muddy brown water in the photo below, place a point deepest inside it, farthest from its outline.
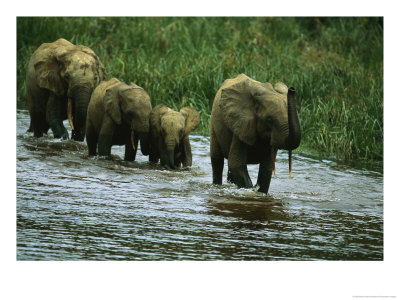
(72, 207)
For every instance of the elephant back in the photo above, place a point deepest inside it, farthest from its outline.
(48, 51)
(102, 88)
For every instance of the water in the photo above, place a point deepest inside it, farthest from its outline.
(72, 207)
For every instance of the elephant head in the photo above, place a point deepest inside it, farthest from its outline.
(172, 128)
(70, 71)
(130, 105)
(258, 111)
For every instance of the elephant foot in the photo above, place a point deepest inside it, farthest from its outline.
(240, 177)
(129, 156)
(63, 136)
(92, 150)
(263, 189)
(38, 134)
(153, 160)
(78, 135)
(168, 168)
(130, 153)
(58, 129)
(105, 157)
(263, 185)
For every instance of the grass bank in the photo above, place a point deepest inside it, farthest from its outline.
(336, 65)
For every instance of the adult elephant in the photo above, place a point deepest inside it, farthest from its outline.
(59, 81)
(169, 132)
(250, 120)
(118, 114)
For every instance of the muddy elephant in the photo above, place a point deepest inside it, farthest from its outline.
(250, 121)
(59, 82)
(118, 114)
(169, 131)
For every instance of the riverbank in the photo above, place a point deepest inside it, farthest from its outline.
(336, 65)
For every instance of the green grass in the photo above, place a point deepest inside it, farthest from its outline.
(336, 65)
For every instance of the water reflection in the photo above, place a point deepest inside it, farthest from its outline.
(250, 213)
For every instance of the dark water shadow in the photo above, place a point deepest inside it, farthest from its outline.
(249, 211)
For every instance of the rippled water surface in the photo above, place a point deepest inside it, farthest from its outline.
(72, 207)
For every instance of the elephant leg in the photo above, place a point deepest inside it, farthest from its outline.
(265, 171)
(54, 117)
(162, 149)
(217, 169)
(154, 155)
(37, 102)
(30, 129)
(38, 124)
(217, 159)
(106, 137)
(104, 145)
(164, 159)
(237, 163)
(229, 177)
(179, 156)
(240, 176)
(187, 152)
(178, 161)
(91, 140)
(130, 153)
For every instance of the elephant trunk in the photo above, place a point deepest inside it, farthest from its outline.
(294, 137)
(81, 97)
(170, 157)
(141, 128)
(144, 139)
(171, 143)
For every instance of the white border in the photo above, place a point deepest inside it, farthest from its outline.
(198, 280)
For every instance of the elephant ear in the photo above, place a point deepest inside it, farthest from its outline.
(238, 110)
(50, 63)
(48, 76)
(192, 118)
(112, 103)
(156, 114)
(125, 91)
(101, 71)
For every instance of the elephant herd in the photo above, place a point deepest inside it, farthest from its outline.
(250, 120)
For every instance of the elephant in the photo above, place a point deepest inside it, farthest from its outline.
(169, 134)
(118, 114)
(60, 79)
(249, 122)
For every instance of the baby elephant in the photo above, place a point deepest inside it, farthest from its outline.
(118, 114)
(169, 132)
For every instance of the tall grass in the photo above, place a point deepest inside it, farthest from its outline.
(336, 65)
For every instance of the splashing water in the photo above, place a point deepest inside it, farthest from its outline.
(72, 207)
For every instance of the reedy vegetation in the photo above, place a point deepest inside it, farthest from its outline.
(336, 65)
